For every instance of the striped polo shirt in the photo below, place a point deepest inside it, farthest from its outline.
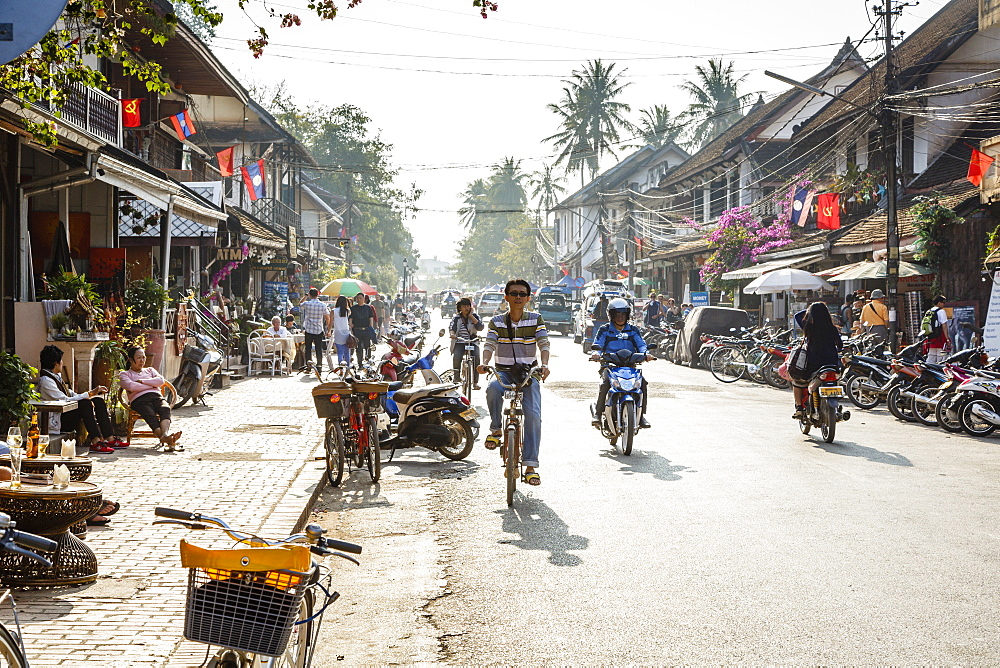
(530, 335)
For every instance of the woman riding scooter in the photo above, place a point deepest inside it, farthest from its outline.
(618, 334)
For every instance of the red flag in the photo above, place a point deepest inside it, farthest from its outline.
(978, 166)
(828, 214)
(130, 113)
(225, 157)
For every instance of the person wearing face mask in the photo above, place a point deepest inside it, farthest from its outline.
(465, 328)
(618, 334)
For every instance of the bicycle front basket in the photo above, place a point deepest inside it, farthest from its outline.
(245, 599)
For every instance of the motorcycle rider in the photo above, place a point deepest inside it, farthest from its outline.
(618, 334)
(823, 345)
(465, 326)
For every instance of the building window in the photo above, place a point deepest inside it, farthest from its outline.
(718, 195)
(906, 147)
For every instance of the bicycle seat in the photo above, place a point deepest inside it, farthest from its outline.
(406, 396)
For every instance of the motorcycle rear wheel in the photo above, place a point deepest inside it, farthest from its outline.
(860, 396)
(828, 416)
(184, 384)
(899, 405)
(464, 447)
(924, 413)
(972, 424)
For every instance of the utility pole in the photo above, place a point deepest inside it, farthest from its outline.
(347, 225)
(602, 230)
(630, 247)
(888, 122)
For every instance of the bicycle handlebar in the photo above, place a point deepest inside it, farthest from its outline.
(516, 386)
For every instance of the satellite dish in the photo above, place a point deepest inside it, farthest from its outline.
(24, 24)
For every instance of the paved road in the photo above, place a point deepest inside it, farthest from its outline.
(726, 537)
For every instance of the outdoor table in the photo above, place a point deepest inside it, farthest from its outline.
(79, 467)
(44, 408)
(49, 512)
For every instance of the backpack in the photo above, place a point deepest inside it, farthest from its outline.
(929, 325)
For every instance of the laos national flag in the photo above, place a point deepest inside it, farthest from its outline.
(253, 176)
(801, 204)
(183, 125)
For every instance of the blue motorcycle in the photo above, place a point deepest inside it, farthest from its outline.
(624, 401)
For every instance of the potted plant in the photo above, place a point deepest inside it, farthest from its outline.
(58, 323)
(17, 389)
(109, 358)
(145, 299)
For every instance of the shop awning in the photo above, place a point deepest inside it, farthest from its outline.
(758, 270)
(156, 189)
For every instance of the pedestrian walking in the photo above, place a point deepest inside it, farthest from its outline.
(847, 316)
(934, 326)
(382, 312)
(362, 317)
(875, 317)
(316, 323)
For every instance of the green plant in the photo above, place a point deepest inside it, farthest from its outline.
(146, 298)
(64, 285)
(931, 218)
(17, 389)
(58, 321)
(111, 352)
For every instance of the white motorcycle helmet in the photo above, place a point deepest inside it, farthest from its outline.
(619, 305)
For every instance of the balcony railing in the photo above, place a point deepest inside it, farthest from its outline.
(93, 111)
(276, 214)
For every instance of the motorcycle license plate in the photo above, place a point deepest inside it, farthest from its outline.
(835, 391)
(469, 414)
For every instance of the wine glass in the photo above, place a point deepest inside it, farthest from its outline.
(14, 437)
(43, 445)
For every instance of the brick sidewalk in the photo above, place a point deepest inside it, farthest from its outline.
(249, 460)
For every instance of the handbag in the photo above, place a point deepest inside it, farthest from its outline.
(352, 341)
(796, 360)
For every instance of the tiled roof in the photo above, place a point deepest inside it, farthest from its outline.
(921, 52)
(260, 235)
(871, 230)
(698, 245)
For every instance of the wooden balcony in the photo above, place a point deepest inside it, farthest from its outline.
(276, 214)
(93, 111)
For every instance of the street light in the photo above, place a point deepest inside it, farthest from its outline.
(406, 268)
(885, 120)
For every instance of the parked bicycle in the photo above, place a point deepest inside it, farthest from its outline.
(262, 602)
(513, 439)
(351, 438)
(27, 545)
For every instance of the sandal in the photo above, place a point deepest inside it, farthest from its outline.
(110, 508)
(492, 441)
(98, 521)
(532, 479)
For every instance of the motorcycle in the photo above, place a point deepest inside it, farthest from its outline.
(435, 416)
(868, 379)
(979, 407)
(823, 408)
(200, 361)
(623, 404)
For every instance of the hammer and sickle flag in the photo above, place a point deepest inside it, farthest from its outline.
(130, 113)
(828, 214)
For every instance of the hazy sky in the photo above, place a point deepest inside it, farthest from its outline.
(456, 93)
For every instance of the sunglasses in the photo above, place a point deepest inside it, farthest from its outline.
(517, 294)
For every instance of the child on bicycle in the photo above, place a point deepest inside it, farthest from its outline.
(517, 337)
(465, 327)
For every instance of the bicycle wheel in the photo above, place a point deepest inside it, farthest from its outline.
(298, 652)
(512, 449)
(334, 444)
(628, 426)
(828, 415)
(10, 650)
(467, 377)
(727, 364)
(373, 456)
(756, 364)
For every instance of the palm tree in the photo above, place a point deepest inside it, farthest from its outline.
(506, 190)
(474, 200)
(590, 117)
(717, 103)
(546, 188)
(657, 126)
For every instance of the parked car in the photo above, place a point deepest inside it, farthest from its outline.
(555, 311)
(583, 324)
(707, 320)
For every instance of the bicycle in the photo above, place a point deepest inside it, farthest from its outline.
(349, 409)
(257, 604)
(12, 652)
(468, 365)
(512, 441)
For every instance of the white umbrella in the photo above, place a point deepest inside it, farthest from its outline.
(781, 280)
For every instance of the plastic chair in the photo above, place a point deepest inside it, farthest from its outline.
(168, 392)
(264, 350)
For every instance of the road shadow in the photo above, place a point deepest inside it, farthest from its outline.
(540, 528)
(356, 491)
(432, 467)
(852, 449)
(641, 461)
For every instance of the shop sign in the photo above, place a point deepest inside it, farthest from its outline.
(229, 254)
(913, 283)
(293, 250)
(699, 299)
(277, 263)
(991, 330)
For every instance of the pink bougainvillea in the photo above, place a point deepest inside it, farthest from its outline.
(226, 270)
(739, 238)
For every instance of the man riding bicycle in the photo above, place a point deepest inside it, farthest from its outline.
(465, 328)
(516, 338)
(619, 334)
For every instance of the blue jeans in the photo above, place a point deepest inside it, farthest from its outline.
(343, 354)
(532, 405)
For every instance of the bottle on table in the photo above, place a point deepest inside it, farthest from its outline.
(32, 438)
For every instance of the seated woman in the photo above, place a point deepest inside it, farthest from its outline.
(91, 407)
(143, 385)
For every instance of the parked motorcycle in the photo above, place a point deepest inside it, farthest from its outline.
(623, 405)
(200, 361)
(436, 417)
(823, 408)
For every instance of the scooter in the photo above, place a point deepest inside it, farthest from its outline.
(823, 407)
(200, 362)
(435, 416)
(623, 405)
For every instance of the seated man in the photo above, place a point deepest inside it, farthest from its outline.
(290, 324)
(91, 407)
(617, 335)
(276, 330)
